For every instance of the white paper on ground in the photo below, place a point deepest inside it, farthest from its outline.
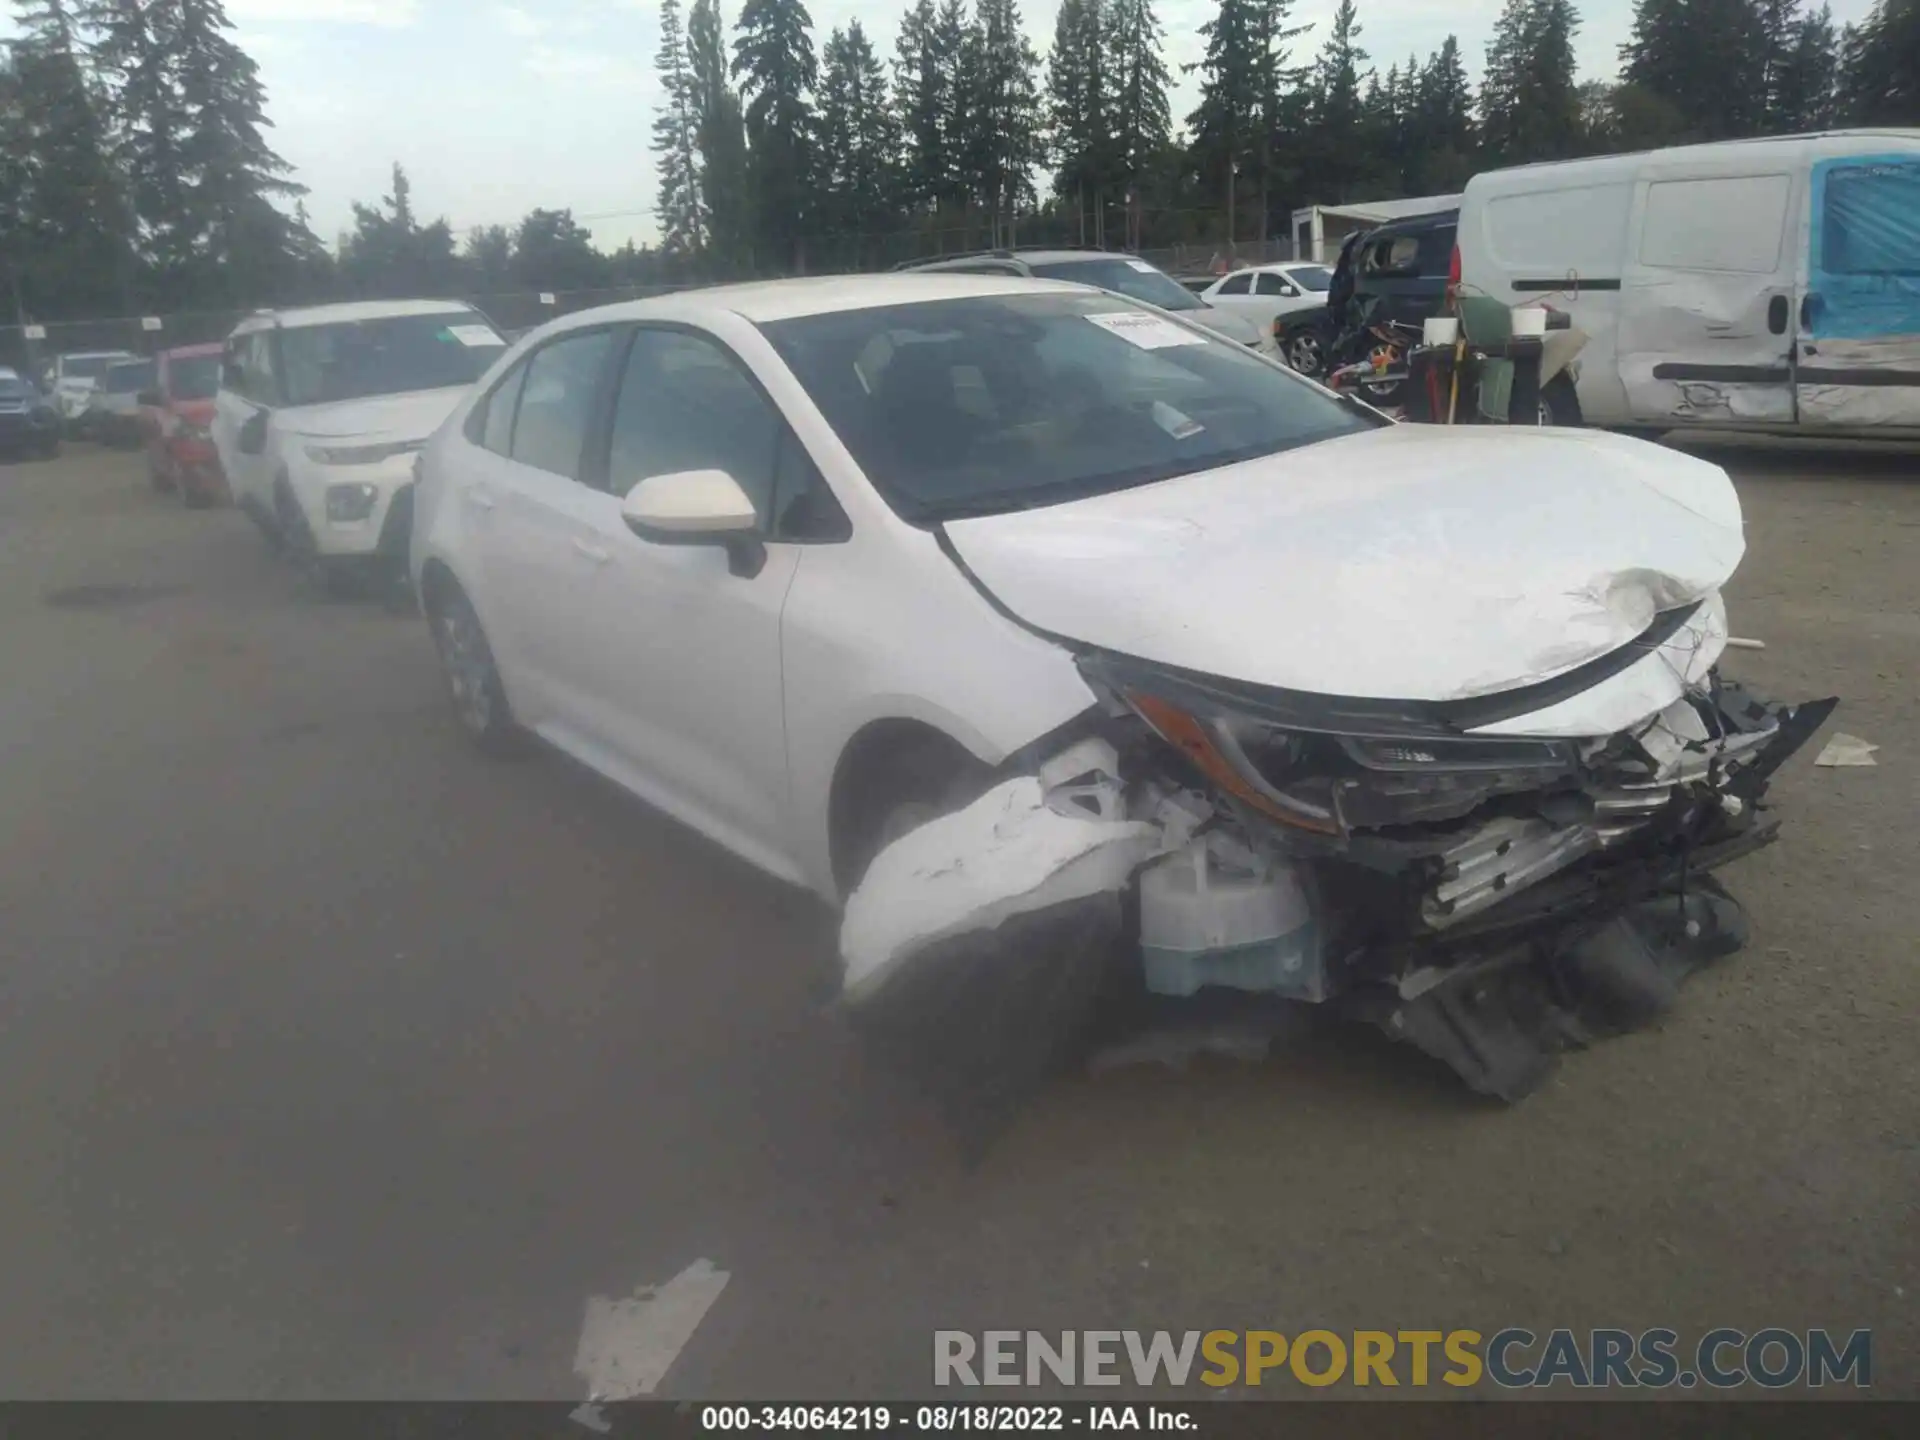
(627, 1346)
(1006, 854)
(474, 335)
(1149, 332)
(1846, 750)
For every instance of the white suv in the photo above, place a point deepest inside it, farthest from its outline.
(321, 412)
(71, 379)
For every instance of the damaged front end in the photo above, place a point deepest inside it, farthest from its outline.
(1489, 897)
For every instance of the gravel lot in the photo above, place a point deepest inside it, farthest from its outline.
(341, 1062)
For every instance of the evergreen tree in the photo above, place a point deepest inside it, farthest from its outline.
(242, 245)
(1280, 105)
(1530, 104)
(389, 253)
(956, 44)
(69, 245)
(774, 60)
(552, 251)
(1079, 105)
(135, 51)
(1805, 91)
(859, 142)
(1443, 140)
(1225, 123)
(1006, 135)
(1142, 125)
(1338, 113)
(721, 140)
(1706, 58)
(923, 76)
(1881, 84)
(489, 259)
(676, 136)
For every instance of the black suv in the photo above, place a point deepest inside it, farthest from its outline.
(1404, 264)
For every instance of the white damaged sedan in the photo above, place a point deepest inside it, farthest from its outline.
(1030, 623)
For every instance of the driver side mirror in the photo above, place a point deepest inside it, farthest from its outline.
(698, 507)
(252, 438)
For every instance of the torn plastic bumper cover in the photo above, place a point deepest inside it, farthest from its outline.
(1489, 898)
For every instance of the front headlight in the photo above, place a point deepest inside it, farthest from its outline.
(360, 454)
(348, 503)
(1329, 784)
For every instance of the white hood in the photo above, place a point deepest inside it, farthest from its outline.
(389, 418)
(1410, 562)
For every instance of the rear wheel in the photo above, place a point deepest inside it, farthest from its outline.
(473, 680)
(1560, 403)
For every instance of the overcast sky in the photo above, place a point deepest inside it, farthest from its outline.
(495, 108)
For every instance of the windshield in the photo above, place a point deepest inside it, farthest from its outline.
(994, 403)
(88, 367)
(196, 377)
(1126, 276)
(1311, 277)
(322, 364)
(125, 379)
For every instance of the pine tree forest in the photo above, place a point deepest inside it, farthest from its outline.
(137, 174)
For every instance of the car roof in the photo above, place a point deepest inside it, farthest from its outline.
(769, 300)
(1273, 267)
(347, 313)
(96, 354)
(193, 352)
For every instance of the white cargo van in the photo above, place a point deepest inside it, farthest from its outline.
(1769, 284)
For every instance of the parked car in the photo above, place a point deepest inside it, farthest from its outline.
(1401, 272)
(1123, 274)
(1262, 293)
(320, 415)
(71, 378)
(1763, 285)
(809, 564)
(177, 423)
(112, 415)
(29, 420)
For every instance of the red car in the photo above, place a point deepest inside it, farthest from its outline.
(175, 417)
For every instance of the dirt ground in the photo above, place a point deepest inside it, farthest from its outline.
(342, 1062)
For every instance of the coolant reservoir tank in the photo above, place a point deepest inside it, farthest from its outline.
(1217, 913)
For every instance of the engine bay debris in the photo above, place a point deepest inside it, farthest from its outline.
(1490, 898)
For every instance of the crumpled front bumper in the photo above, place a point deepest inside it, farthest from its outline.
(1492, 917)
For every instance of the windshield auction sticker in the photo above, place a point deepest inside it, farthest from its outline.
(1149, 332)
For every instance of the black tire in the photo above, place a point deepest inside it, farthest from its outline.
(911, 781)
(1303, 350)
(162, 484)
(473, 680)
(49, 448)
(1560, 403)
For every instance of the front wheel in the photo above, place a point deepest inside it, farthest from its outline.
(473, 680)
(1304, 353)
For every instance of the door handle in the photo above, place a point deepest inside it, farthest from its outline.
(591, 552)
(1777, 315)
(1809, 306)
(478, 499)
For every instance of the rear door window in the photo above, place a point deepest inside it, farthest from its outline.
(495, 432)
(557, 402)
(1870, 220)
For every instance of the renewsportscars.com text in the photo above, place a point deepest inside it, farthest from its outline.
(1511, 1358)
